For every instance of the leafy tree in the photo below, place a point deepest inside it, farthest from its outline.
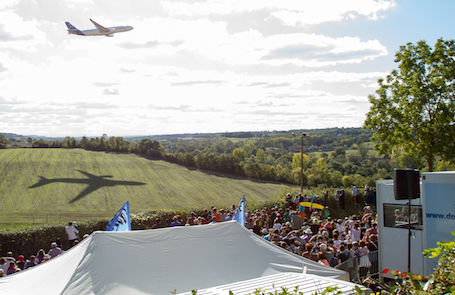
(3, 141)
(347, 181)
(253, 169)
(40, 144)
(382, 173)
(337, 179)
(249, 147)
(414, 108)
(402, 160)
(189, 160)
(239, 153)
(320, 171)
(362, 149)
(260, 156)
(69, 142)
(134, 147)
(339, 151)
(83, 142)
(296, 160)
(443, 279)
(445, 166)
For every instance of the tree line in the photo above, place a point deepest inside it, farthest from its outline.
(338, 157)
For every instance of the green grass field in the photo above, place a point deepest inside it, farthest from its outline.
(55, 185)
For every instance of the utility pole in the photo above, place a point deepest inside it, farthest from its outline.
(301, 160)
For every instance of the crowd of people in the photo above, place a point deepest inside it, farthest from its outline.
(350, 243)
(9, 264)
(311, 233)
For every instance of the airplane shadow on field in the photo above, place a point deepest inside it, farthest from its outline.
(94, 182)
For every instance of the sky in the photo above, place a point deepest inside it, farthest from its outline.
(202, 66)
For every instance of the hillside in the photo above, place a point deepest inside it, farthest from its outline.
(50, 185)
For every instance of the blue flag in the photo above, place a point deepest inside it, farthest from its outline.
(240, 214)
(121, 220)
(312, 199)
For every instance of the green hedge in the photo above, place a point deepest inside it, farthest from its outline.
(28, 241)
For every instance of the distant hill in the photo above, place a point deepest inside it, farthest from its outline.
(50, 185)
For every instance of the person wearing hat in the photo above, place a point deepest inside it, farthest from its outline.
(54, 251)
(307, 234)
(176, 222)
(9, 257)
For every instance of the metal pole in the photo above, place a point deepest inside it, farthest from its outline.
(409, 232)
(301, 166)
(301, 160)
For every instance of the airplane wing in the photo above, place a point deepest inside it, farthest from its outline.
(89, 189)
(93, 176)
(100, 27)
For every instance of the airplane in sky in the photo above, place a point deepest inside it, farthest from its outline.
(99, 31)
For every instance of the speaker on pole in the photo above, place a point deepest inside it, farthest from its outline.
(406, 184)
(413, 183)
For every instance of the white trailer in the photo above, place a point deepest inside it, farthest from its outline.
(432, 219)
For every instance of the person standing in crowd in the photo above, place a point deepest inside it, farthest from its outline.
(355, 194)
(72, 233)
(366, 194)
(4, 265)
(169, 220)
(342, 198)
(216, 214)
(21, 261)
(9, 257)
(176, 222)
(54, 251)
(158, 223)
(30, 263)
(326, 212)
(356, 233)
(296, 220)
(337, 198)
(12, 268)
(40, 256)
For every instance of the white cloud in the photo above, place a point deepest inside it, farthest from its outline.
(188, 66)
(317, 12)
(292, 13)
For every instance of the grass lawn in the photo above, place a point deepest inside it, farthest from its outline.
(55, 185)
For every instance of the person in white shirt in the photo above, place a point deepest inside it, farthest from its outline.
(72, 233)
(356, 233)
(4, 265)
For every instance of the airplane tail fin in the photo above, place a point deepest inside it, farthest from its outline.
(42, 181)
(72, 29)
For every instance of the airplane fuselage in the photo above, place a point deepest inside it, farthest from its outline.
(96, 32)
(99, 31)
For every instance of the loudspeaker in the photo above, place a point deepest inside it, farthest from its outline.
(406, 184)
(413, 183)
(400, 184)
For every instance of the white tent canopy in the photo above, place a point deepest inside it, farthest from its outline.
(160, 261)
